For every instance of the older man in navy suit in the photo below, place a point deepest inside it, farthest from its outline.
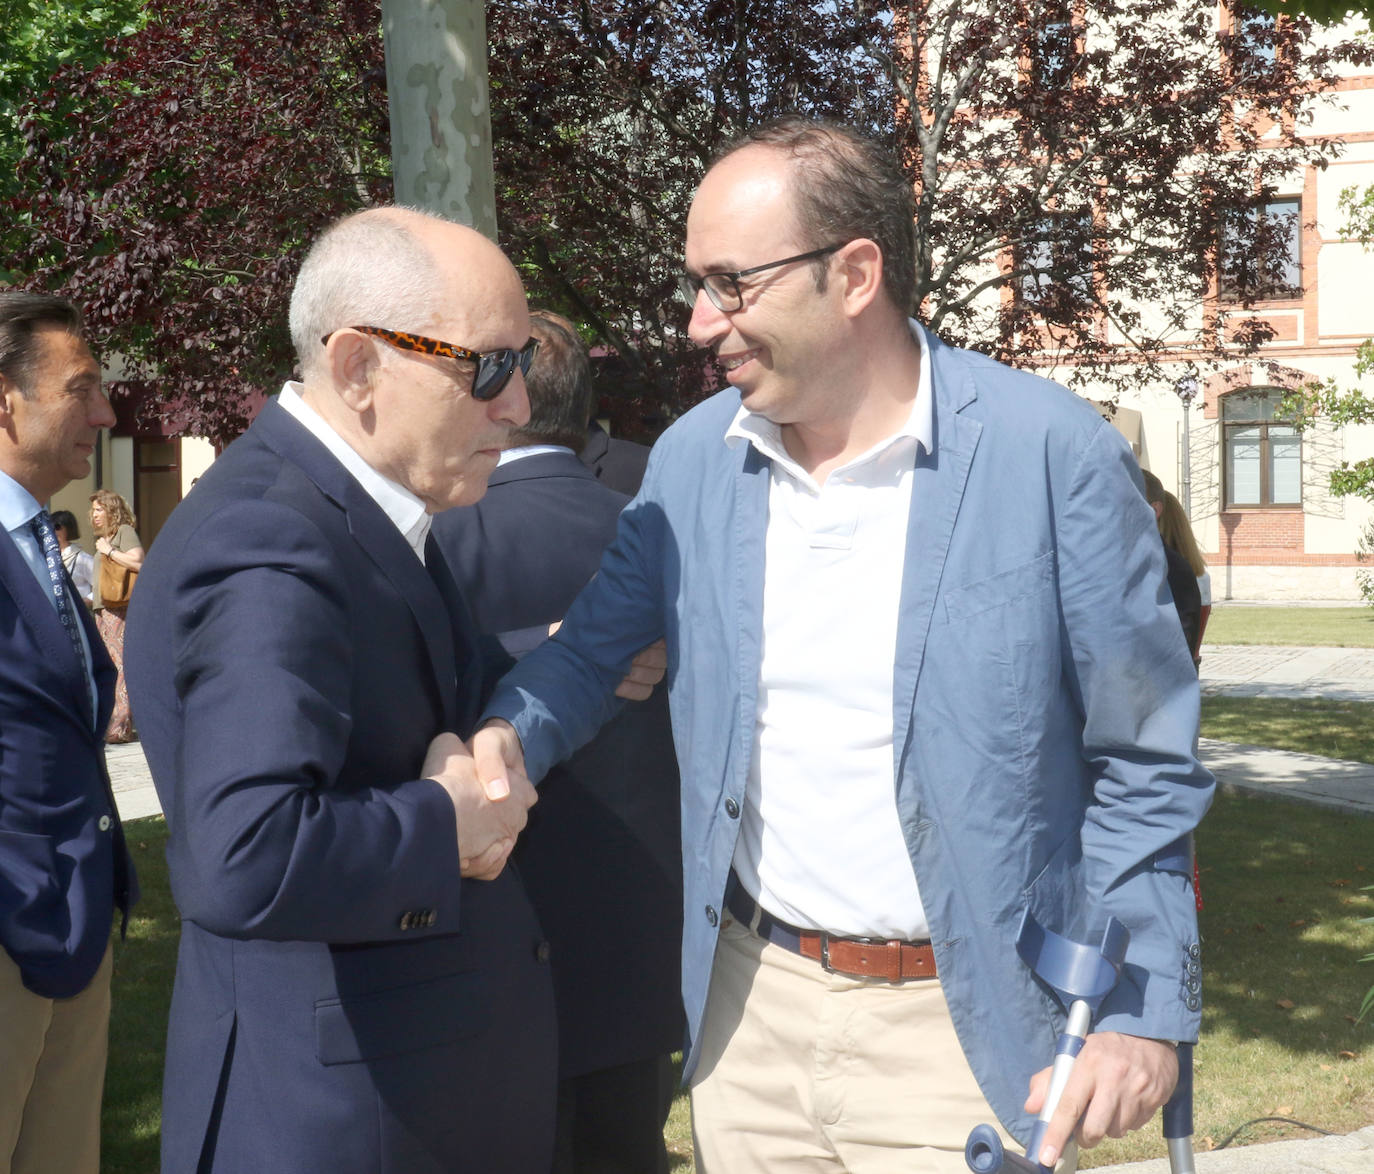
(64, 868)
(601, 849)
(361, 986)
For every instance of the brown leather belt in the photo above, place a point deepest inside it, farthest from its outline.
(855, 957)
(869, 958)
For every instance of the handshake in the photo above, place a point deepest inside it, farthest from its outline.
(486, 779)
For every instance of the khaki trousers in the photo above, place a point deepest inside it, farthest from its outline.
(52, 1074)
(803, 1070)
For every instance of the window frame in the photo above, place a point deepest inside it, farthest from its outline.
(1266, 489)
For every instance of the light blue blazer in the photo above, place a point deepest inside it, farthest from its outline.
(1045, 703)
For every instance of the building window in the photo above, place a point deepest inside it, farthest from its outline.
(1262, 455)
(1054, 50)
(1056, 263)
(1260, 251)
(1254, 48)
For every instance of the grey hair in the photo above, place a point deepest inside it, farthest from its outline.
(367, 269)
(21, 314)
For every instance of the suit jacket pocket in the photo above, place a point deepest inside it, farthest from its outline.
(402, 1020)
(34, 923)
(1019, 582)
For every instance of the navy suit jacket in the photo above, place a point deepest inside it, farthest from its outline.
(617, 463)
(64, 866)
(601, 856)
(344, 1001)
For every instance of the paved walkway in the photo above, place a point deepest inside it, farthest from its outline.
(1234, 670)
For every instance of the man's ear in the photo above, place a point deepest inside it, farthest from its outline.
(9, 391)
(351, 362)
(860, 269)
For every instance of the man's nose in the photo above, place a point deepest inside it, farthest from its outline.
(102, 414)
(512, 406)
(707, 323)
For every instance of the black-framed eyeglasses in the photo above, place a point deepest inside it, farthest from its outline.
(724, 289)
(494, 368)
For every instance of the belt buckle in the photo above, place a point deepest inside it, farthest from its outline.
(825, 953)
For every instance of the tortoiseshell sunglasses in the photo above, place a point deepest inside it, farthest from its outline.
(494, 368)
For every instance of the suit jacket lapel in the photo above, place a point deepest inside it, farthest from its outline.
(377, 536)
(746, 570)
(937, 492)
(45, 626)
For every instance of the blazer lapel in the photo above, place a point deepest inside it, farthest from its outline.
(746, 570)
(937, 491)
(375, 533)
(45, 626)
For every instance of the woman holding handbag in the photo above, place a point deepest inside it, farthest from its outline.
(119, 555)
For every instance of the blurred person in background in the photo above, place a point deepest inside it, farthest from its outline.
(80, 565)
(1178, 535)
(119, 557)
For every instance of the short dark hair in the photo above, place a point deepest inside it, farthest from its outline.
(559, 384)
(845, 185)
(21, 314)
(1154, 488)
(65, 521)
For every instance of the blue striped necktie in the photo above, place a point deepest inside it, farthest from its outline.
(57, 577)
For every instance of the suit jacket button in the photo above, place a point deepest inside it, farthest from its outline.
(711, 917)
(542, 952)
(103, 823)
(407, 921)
(430, 918)
(732, 809)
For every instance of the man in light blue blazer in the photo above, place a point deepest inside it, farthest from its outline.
(925, 675)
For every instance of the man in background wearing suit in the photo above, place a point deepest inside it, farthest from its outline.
(63, 863)
(361, 985)
(600, 857)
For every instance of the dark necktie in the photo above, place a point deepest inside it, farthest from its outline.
(57, 577)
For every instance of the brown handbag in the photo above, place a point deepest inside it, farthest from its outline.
(116, 583)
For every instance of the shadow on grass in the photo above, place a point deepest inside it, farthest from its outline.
(1282, 891)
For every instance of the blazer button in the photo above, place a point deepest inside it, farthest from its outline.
(732, 809)
(407, 921)
(711, 917)
(430, 918)
(1194, 1002)
(542, 952)
(103, 823)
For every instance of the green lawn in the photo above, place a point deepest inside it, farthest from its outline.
(1333, 729)
(1281, 930)
(1335, 627)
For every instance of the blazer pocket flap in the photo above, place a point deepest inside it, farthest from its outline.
(1018, 582)
(395, 1022)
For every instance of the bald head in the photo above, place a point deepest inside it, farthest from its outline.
(393, 267)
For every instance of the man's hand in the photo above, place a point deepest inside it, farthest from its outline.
(1117, 1083)
(489, 816)
(646, 670)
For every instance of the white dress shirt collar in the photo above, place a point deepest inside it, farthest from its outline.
(530, 450)
(406, 511)
(752, 428)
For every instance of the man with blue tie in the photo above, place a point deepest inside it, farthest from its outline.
(64, 867)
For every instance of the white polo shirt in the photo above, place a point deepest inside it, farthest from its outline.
(820, 842)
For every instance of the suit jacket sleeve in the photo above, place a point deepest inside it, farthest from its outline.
(616, 615)
(270, 840)
(1132, 673)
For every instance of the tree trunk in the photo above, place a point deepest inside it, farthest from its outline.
(436, 80)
